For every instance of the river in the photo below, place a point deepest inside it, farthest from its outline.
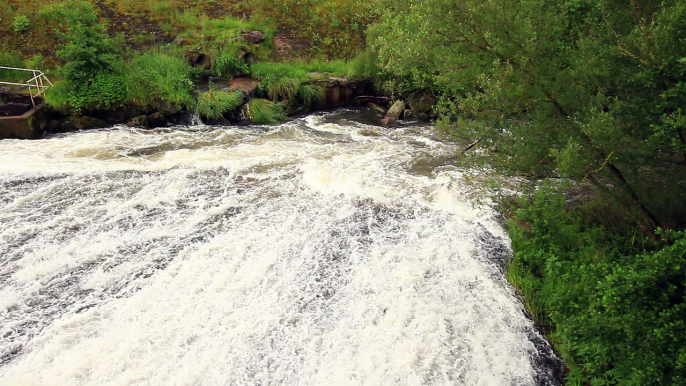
(324, 251)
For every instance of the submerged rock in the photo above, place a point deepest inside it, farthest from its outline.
(82, 123)
(389, 121)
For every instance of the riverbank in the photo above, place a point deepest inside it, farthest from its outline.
(559, 95)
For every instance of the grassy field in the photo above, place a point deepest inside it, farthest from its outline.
(303, 29)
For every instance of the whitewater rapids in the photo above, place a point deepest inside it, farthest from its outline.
(324, 251)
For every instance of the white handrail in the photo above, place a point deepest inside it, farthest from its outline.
(37, 80)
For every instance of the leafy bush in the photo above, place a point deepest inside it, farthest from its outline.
(106, 90)
(617, 307)
(88, 51)
(21, 24)
(157, 76)
(365, 66)
(213, 104)
(262, 111)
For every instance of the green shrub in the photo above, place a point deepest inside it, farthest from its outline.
(616, 304)
(365, 66)
(262, 111)
(21, 24)
(160, 77)
(88, 51)
(105, 91)
(214, 104)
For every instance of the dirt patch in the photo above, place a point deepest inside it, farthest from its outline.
(287, 47)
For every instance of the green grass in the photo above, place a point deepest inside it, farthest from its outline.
(158, 76)
(262, 111)
(214, 104)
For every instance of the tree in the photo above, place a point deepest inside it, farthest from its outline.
(587, 90)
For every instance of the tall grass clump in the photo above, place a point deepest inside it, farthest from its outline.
(214, 104)
(160, 77)
(229, 63)
(310, 94)
(262, 111)
(291, 81)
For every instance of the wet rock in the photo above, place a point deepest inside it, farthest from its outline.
(410, 115)
(53, 125)
(254, 37)
(421, 102)
(82, 123)
(247, 85)
(156, 119)
(396, 110)
(333, 97)
(139, 121)
(376, 107)
(389, 121)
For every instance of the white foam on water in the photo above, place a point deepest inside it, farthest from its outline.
(261, 257)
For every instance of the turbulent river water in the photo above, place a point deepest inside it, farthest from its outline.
(324, 251)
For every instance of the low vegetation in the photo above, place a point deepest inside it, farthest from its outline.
(214, 104)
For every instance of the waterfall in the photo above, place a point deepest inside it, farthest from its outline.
(321, 251)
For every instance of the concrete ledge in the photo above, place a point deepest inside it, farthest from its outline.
(29, 125)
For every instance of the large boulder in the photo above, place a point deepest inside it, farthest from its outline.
(396, 110)
(254, 37)
(82, 123)
(421, 102)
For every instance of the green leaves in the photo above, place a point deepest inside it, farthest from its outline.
(619, 311)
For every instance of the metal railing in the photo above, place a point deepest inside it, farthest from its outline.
(36, 85)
